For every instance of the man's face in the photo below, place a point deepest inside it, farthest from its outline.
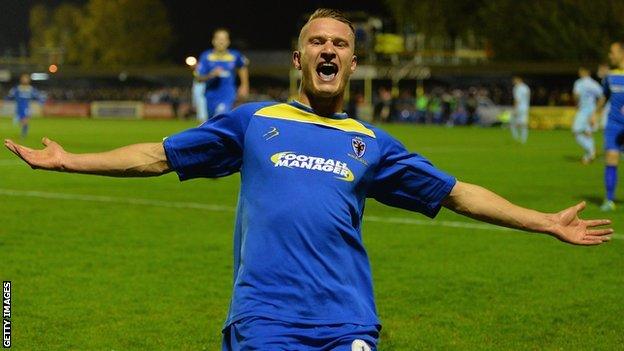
(221, 40)
(25, 79)
(325, 57)
(615, 54)
(582, 72)
(603, 70)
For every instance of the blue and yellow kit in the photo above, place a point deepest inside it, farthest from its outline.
(220, 91)
(613, 86)
(23, 94)
(298, 250)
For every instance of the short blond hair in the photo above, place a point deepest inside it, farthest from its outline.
(327, 13)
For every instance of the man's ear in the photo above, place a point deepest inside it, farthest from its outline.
(296, 58)
(353, 63)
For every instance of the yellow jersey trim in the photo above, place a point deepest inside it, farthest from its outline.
(227, 57)
(291, 113)
(617, 71)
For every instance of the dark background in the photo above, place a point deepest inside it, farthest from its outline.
(260, 25)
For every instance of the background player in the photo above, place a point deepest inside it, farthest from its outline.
(613, 86)
(302, 276)
(601, 73)
(520, 116)
(199, 97)
(587, 91)
(218, 67)
(23, 94)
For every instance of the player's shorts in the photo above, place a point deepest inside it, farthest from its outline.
(258, 333)
(520, 116)
(582, 121)
(614, 136)
(22, 114)
(219, 106)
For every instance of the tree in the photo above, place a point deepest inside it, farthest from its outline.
(56, 33)
(121, 32)
(104, 32)
(577, 30)
(572, 30)
(451, 19)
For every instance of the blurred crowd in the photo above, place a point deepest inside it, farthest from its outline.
(450, 106)
(434, 105)
(146, 94)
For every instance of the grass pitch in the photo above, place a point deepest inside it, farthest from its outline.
(104, 264)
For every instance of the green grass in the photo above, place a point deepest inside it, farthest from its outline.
(113, 276)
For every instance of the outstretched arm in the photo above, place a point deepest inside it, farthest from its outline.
(243, 89)
(138, 160)
(481, 204)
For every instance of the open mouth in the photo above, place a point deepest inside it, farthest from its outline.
(327, 71)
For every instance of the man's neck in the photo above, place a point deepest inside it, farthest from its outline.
(322, 106)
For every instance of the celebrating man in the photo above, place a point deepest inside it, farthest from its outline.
(302, 279)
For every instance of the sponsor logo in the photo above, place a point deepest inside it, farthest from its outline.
(290, 159)
(273, 132)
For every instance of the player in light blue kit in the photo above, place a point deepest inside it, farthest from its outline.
(218, 68)
(199, 98)
(23, 94)
(613, 86)
(520, 116)
(587, 91)
(302, 278)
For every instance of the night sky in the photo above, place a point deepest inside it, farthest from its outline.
(259, 25)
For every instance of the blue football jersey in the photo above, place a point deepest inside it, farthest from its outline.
(225, 84)
(613, 86)
(23, 94)
(298, 250)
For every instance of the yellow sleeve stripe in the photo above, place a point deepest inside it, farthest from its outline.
(617, 71)
(291, 113)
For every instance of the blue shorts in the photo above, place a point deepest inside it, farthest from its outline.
(258, 333)
(219, 106)
(614, 137)
(22, 114)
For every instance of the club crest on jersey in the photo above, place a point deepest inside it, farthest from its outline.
(359, 146)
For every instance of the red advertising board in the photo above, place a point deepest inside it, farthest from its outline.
(157, 111)
(66, 109)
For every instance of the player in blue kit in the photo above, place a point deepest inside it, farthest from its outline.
(218, 68)
(302, 278)
(587, 91)
(613, 85)
(23, 94)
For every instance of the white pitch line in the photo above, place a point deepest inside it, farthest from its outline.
(117, 200)
(220, 208)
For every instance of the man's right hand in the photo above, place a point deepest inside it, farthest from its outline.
(49, 158)
(216, 72)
